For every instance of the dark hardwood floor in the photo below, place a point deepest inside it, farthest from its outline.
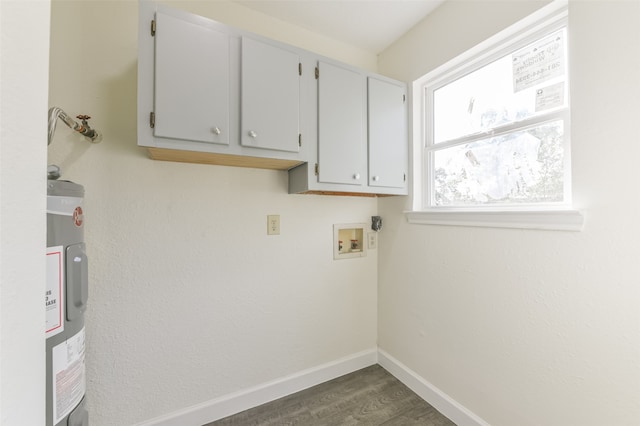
(368, 397)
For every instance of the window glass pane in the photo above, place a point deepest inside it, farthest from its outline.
(517, 86)
(519, 167)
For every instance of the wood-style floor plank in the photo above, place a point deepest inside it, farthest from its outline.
(368, 397)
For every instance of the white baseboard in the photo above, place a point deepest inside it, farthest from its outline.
(227, 405)
(442, 402)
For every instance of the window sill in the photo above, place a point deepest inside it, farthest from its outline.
(555, 220)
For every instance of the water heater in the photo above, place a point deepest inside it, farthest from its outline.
(65, 300)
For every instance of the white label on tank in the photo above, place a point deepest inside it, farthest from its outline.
(53, 299)
(69, 381)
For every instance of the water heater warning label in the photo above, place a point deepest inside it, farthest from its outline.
(69, 380)
(53, 293)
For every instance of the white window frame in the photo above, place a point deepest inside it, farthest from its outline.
(560, 216)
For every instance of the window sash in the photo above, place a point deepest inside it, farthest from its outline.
(429, 166)
(429, 162)
(561, 114)
(494, 50)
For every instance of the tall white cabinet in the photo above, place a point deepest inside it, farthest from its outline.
(191, 88)
(387, 130)
(270, 105)
(341, 126)
(211, 93)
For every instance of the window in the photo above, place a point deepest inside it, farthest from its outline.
(495, 134)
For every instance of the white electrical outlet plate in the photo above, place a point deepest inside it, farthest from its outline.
(372, 240)
(273, 224)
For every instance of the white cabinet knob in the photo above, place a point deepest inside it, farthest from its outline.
(376, 178)
(216, 130)
(356, 176)
(253, 134)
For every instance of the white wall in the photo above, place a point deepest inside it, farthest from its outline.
(530, 327)
(190, 300)
(24, 43)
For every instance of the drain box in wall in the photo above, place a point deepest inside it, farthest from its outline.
(349, 240)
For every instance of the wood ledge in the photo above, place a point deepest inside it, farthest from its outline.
(182, 156)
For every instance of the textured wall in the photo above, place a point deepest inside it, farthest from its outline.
(24, 42)
(189, 298)
(530, 327)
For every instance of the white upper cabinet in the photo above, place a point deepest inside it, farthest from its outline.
(191, 90)
(355, 106)
(388, 155)
(341, 115)
(211, 93)
(270, 100)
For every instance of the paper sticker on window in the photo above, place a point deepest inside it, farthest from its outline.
(539, 62)
(550, 97)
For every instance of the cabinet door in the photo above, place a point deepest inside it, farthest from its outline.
(270, 97)
(191, 81)
(388, 144)
(341, 155)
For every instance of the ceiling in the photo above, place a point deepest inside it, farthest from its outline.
(371, 25)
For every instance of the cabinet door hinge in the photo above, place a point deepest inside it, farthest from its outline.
(317, 170)
(299, 139)
(152, 119)
(299, 68)
(153, 27)
(317, 73)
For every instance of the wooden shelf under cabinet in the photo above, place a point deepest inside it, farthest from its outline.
(184, 156)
